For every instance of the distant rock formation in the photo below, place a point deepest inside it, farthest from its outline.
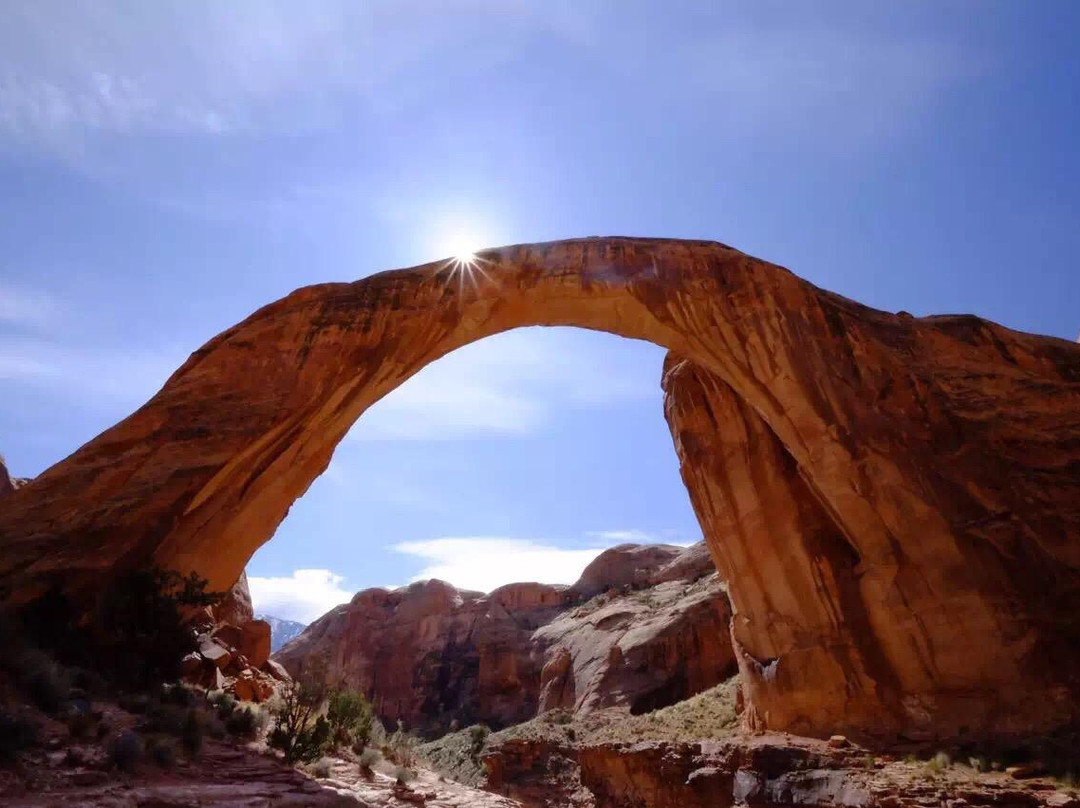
(9, 484)
(645, 626)
(281, 631)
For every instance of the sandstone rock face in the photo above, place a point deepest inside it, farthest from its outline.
(655, 643)
(832, 630)
(235, 607)
(430, 654)
(919, 475)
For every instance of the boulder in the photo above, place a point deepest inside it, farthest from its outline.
(255, 642)
(276, 670)
(235, 607)
(214, 652)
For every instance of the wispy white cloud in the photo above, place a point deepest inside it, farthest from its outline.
(303, 596)
(117, 375)
(25, 307)
(214, 68)
(636, 536)
(483, 563)
(509, 384)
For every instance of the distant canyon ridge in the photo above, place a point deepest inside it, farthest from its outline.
(892, 500)
(644, 627)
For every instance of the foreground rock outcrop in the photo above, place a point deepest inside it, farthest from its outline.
(233, 649)
(768, 771)
(647, 625)
(920, 475)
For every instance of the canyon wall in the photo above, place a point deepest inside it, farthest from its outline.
(916, 529)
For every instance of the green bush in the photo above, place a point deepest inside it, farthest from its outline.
(140, 627)
(477, 738)
(191, 735)
(17, 733)
(126, 751)
(350, 718)
(404, 775)
(162, 751)
(297, 732)
(322, 768)
(245, 723)
(80, 723)
(44, 682)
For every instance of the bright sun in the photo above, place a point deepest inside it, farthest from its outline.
(462, 248)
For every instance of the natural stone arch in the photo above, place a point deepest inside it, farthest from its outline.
(916, 526)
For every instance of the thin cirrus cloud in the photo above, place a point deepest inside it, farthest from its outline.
(69, 71)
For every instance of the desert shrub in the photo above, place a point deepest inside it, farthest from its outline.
(135, 703)
(178, 694)
(90, 682)
(140, 624)
(404, 775)
(162, 751)
(299, 731)
(939, 763)
(41, 679)
(368, 758)
(245, 723)
(126, 751)
(401, 747)
(322, 768)
(477, 738)
(350, 718)
(80, 723)
(164, 718)
(979, 764)
(191, 735)
(17, 733)
(224, 703)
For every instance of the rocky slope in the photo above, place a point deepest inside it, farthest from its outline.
(644, 627)
(233, 649)
(884, 492)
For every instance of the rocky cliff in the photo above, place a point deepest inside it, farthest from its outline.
(644, 627)
(885, 492)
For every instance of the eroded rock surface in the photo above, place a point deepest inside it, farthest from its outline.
(764, 771)
(430, 654)
(920, 475)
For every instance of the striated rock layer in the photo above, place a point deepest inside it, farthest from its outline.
(910, 558)
(431, 655)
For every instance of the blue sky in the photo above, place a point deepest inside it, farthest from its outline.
(169, 167)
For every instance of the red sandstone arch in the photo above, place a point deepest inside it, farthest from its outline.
(893, 500)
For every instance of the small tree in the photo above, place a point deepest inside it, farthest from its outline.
(350, 718)
(141, 624)
(299, 731)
